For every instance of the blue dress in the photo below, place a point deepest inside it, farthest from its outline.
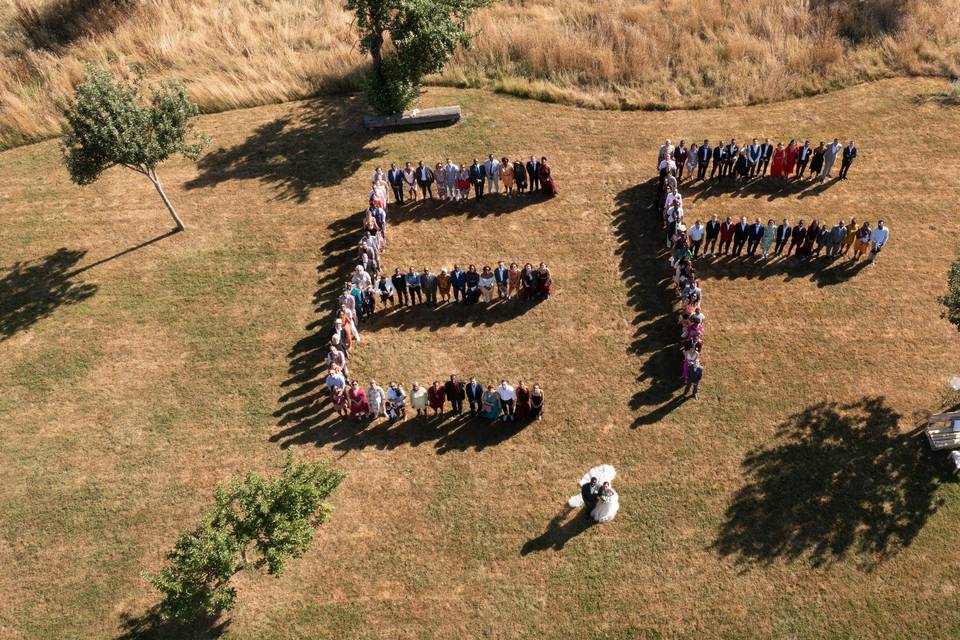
(491, 406)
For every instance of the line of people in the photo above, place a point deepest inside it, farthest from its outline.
(503, 402)
(731, 161)
(454, 182)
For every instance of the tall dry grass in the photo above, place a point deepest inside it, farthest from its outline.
(616, 54)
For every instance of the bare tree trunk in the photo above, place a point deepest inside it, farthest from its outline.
(163, 196)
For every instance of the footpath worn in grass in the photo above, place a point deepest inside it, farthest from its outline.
(792, 500)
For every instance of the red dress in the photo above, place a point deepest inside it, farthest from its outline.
(547, 185)
(358, 402)
(791, 161)
(436, 396)
(523, 409)
(777, 169)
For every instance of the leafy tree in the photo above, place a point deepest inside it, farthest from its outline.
(424, 35)
(951, 300)
(110, 122)
(256, 523)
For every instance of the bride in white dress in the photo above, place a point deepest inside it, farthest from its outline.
(609, 501)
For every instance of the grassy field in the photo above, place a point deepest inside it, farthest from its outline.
(793, 500)
(621, 54)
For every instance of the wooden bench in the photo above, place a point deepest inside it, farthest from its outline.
(416, 118)
(946, 436)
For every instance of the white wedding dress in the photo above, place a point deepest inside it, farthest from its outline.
(604, 511)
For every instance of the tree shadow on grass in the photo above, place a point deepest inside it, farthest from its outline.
(318, 145)
(56, 25)
(558, 532)
(32, 290)
(843, 480)
(150, 626)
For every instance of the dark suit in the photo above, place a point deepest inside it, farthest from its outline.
(803, 157)
(455, 394)
(395, 178)
(754, 234)
(704, 154)
(474, 397)
(713, 232)
(783, 234)
(797, 236)
(590, 494)
(400, 286)
(533, 175)
(425, 178)
(719, 160)
(478, 176)
(739, 237)
(849, 155)
(767, 153)
(501, 276)
(680, 157)
(732, 151)
(458, 279)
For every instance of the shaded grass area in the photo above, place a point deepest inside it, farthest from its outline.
(792, 500)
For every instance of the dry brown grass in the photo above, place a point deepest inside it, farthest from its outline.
(617, 54)
(121, 411)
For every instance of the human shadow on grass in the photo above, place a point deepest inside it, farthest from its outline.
(820, 270)
(560, 531)
(769, 188)
(489, 206)
(318, 145)
(644, 269)
(842, 480)
(449, 314)
(151, 626)
(32, 290)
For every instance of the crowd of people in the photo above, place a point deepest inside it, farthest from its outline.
(369, 282)
(503, 402)
(731, 161)
(454, 182)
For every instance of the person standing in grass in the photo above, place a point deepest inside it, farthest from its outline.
(755, 234)
(413, 286)
(399, 282)
(418, 398)
(536, 402)
(704, 153)
(790, 159)
(472, 285)
(490, 404)
(544, 281)
(428, 282)
(463, 183)
(523, 409)
(513, 280)
(474, 393)
(410, 181)
(455, 393)
(436, 396)
(768, 238)
(508, 397)
(694, 376)
(779, 159)
(719, 159)
(492, 168)
(487, 283)
(803, 157)
(878, 238)
(816, 161)
(693, 160)
(547, 185)
(396, 402)
(829, 157)
(358, 401)
(533, 174)
(519, 176)
(443, 285)
(726, 236)
(680, 158)
(506, 172)
(849, 155)
(783, 234)
(376, 399)
(813, 232)
(765, 156)
(478, 176)
(797, 237)
(754, 153)
(452, 173)
(850, 236)
(713, 232)
(441, 177)
(458, 280)
(696, 233)
(395, 178)
(501, 275)
(425, 178)
(341, 402)
(838, 234)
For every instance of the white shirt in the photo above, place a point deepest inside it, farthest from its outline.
(696, 233)
(879, 236)
(506, 393)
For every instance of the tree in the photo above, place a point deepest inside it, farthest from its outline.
(256, 523)
(951, 300)
(110, 122)
(424, 35)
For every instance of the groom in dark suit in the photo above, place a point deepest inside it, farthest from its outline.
(590, 493)
(474, 395)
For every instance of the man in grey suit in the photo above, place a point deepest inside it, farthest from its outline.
(829, 157)
(835, 240)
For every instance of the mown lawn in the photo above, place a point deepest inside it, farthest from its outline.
(793, 500)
